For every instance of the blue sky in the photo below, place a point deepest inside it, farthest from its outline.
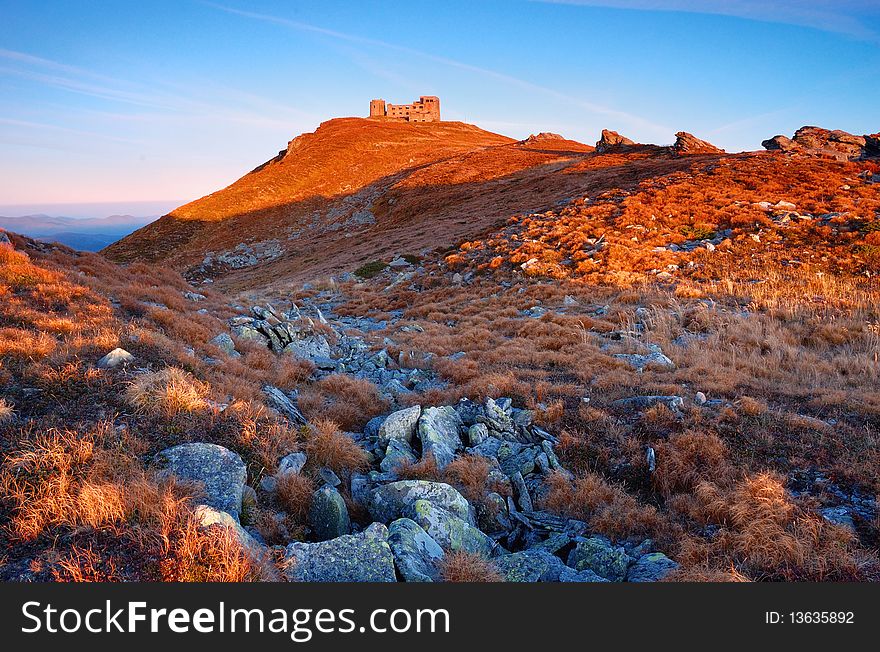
(123, 102)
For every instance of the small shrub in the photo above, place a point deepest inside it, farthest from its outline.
(461, 566)
(369, 270)
(170, 391)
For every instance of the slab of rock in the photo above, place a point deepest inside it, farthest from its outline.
(218, 469)
(416, 555)
(645, 402)
(400, 425)
(686, 143)
(816, 141)
(570, 575)
(328, 515)
(292, 463)
(597, 554)
(281, 402)
(396, 500)
(610, 140)
(652, 567)
(115, 358)
(364, 557)
(438, 431)
(450, 531)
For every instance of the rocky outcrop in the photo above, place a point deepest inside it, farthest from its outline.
(611, 140)
(543, 136)
(416, 555)
(836, 144)
(115, 358)
(686, 143)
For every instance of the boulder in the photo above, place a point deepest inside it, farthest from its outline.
(652, 567)
(645, 402)
(397, 500)
(398, 454)
(218, 469)
(816, 141)
(686, 143)
(364, 557)
(438, 432)
(641, 361)
(611, 140)
(416, 554)
(496, 418)
(534, 565)
(115, 358)
(569, 575)
(400, 425)
(292, 463)
(597, 554)
(328, 516)
(477, 434)
(779, 143)
(224, 342)
(450, 531)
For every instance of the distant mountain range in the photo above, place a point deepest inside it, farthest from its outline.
(86, 234)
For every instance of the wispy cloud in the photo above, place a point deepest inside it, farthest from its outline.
(592, 107)
(849, 17)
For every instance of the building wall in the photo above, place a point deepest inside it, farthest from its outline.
(427, 109)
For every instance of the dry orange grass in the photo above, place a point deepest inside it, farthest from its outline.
(327, 446)
(170, 391)
(295, 493)
(461, 566)
(6, 411)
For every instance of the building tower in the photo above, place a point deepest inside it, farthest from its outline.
(377, 108)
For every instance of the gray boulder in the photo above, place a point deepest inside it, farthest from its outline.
(416, 554)
(115, 358)
(400, 425)
(292, 463)
(224, 342)
(218, 469)
(652, 567)
(534, 565)
(569, 575)
(328, 515)
(450, 531)
(597, 554)
(397, 500)
(398, 453)
(477, 434)
(438, 432)
(364, 557)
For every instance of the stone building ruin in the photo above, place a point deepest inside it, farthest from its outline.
(427, 109)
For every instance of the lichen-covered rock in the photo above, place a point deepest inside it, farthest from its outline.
(364, 557)
(652, 567)
(450, 531)
(416, 554)
(224, 342)
(534, 565)
(218, 469)
(597, 554)
(496, 418)
(395, 500)
(399, 425)
(328, 515)
(398, 454)
(438, 431)
(569, 575)
(477, 434)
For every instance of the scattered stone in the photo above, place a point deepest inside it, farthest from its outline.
(477, 434)
(292, 463)
(218, 469)
(438, 431)
(284, 404)
(416, 554)
(400, 425)
(398, 454)
(700, 398)
(329, 477)
(328, 516)
(652, 567)
(224, 342)
(535, 565)
(450, 531)
(644, 402)
(655, 360)
(840, 515)
(397, 500)
(364, 557)
(600, 556)
(115, 358)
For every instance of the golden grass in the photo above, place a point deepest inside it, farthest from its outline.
(170, 391)
(462, 566)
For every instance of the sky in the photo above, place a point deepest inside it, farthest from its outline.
(116, 107)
